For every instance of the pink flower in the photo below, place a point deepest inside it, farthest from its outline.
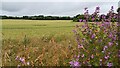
(22, 60)
(105, 47)
(93, 36)
(106, 57)
(80, 46)
(109, 64)
(74, 63)
(110, 43)
(92, 56)
(85, 8)
(82, 55)
(80, 20)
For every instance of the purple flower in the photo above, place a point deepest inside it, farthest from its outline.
(112, 7)
(110, 35)
(82, 55)
(80, 20)
(109, 64)
(114, 37)
(74, 63)
(85, 8)
(22, 60)
(106, 57)
(110, 43)
(107, 23)
(92, 56)
(105, 47)
(93, 36)
(75, 31)
(98, 8)
(84, 20)
(93, 19)
(80, 46)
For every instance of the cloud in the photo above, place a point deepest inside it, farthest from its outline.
(12, 6)
(53, 8)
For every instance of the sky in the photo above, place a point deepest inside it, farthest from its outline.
(54, 7)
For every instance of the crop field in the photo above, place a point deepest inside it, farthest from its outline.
(39, 42)
(35, 28)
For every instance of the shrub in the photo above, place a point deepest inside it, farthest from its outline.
(98, 44)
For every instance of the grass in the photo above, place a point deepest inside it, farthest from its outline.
(39, 42)
(15, 28)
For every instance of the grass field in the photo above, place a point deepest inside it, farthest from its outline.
(39, 42)
(31, 28)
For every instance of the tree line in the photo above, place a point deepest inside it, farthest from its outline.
(40, 17)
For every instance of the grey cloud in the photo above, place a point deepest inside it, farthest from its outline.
(53, 8)
(13, 6)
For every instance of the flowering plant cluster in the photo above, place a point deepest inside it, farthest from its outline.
(97, 41)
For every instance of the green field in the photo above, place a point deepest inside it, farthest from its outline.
(46, 42)
(36, 28)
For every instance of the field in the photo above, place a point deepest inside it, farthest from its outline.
(58, 43)
(39, 42)
(36, 28)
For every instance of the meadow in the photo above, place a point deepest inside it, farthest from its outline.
(39, 42)
(61, 42)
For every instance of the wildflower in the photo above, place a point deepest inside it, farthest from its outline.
(80, 20)
(107, 23)
(106, 57)
(82, 55)
(80, 46)
(114, 37)
(85, 8)
(93, 19)
(110, 43)
(105, 47)
(109, 64)
(112, 7)
(92, 56)
(74, 63)
(75, 31)
(84, 20)
(98, 8)
(22, 60)
(93, 36)
(110, 35)
(100, 60)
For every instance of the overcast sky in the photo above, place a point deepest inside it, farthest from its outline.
(54, 7)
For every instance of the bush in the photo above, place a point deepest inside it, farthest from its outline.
(98, 45)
